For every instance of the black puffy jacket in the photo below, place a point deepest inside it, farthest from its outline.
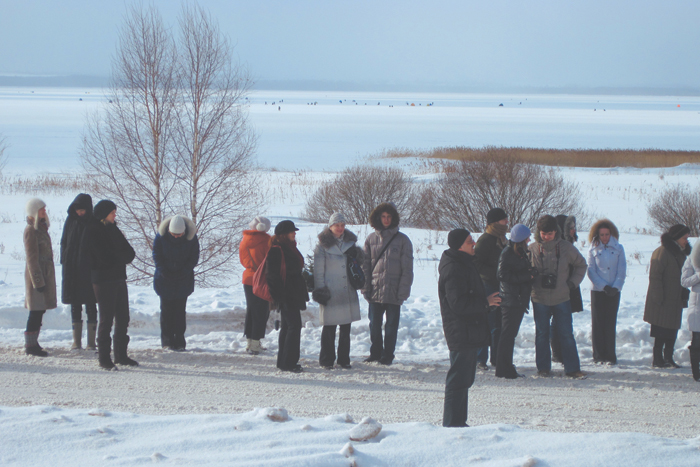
(292, 289)
(515, 277)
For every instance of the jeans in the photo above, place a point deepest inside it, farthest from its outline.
(460, 378)
(383, 349)
(173, 322)
(256, 314)
(327, 355)
(564, 327)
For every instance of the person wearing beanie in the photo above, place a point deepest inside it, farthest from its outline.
(76, 290)
(39, 274)
(388, 268)
(690, 277)
(109, 253)
(666, 296)
(607, 269)
(487, 251)
(336, 246)
(252, 251)
(175, 254)
(560, 268)
(288, 292)
(464, 307)
(515, 275)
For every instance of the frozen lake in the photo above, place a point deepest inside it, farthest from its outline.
(43, 125)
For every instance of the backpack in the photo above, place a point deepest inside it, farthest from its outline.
(260, 286)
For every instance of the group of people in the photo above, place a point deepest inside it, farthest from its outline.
(94, 256)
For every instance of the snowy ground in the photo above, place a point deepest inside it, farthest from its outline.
(200, 406)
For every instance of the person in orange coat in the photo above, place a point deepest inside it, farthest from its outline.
(252, 251)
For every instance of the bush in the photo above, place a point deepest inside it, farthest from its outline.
(677, 204)
(357, 190)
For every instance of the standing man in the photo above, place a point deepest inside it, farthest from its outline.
(388, 267)
(464, 306)
(486, 254)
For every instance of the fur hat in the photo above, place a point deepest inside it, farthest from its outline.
(519, 233)
(602, 224)
(375, 219)
(547, 223)
(260, 223)
(337, 218)
(285, 227)
(32, 209)
(457, 237)
(495, 215)
(678, 231)
(177, 225)
(103, 208)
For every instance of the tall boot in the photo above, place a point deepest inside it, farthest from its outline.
(91, 334)
(77, 335)
(104, 352)
(120, 357)
(658, 361)
(31, 345)
(695, 363)
(668, 354)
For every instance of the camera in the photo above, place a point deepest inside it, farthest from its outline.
(549, 281)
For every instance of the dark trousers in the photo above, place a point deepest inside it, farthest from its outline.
(34, 320)
(510, 326)
(173, 322)
(460, 378)
(603, 325)
(383, 349)
(695, 342)
(327, 355)
(256, 314)
(495, 320)
(113, 304)
(76, 312)
(289, 338)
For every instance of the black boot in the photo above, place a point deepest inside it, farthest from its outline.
(668, 354)
(120, 357)
(105, 357)
(31, 345)
(658, 361)
(695, 363)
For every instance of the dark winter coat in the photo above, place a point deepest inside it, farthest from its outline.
(390, 280)
(175, 259)
(463, 302)
(39, 271)
(486, 255)
(291, 291)
(109, 252)
(515, 276)
(77, 285)
(666, 297)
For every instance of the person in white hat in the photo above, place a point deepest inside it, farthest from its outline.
(252, 251)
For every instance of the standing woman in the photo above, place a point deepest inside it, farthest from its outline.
(252, 252)
(39, 274)
(110, 252)
(607, 269)
(515, 274)
(666, 297)
(288, 292)
(690, 277)
(77, 286)
(175, 253)
(335, 244)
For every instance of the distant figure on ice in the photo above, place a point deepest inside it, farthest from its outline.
(388, 268)
(690, 277)
(464, 307)
(252, 252)
(39, 274)
(77, 285)
(175, 254)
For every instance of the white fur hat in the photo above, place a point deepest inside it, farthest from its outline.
(260, 223)
(177, 225)
(32, 208)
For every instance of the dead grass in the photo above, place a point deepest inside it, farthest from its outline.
(557, 157)
(52, 184)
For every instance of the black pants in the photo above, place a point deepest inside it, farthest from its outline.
(511, 317)
(327, 355)
(113, 302)
(256, 314)
(173, 322)
(34, 320)
(460, 378)
(603, 325)
(76, 312)
(695, 342)
(290, 338)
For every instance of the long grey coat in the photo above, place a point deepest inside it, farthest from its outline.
(40, 270)
(665, 302)
(690, 278)
(330, 270)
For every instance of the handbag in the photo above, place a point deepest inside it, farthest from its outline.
(260, 285)
(354, 269)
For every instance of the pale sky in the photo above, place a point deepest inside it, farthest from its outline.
(436, 44)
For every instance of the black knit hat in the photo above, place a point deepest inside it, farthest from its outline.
(677, 231)
(495, 215)
(457, 237)
(103, 208)
(285, 227)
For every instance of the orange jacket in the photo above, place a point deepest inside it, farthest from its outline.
(252, 252)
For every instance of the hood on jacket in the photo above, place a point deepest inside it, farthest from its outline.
(327, 239)
(538, 237)
(565, 224)
(82, 201)
(375, 219)
(603, 224)
(190, 227)
(695, 256)
(672, 246)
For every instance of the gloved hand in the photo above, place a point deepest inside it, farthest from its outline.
(41, 289)
(610, 291)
